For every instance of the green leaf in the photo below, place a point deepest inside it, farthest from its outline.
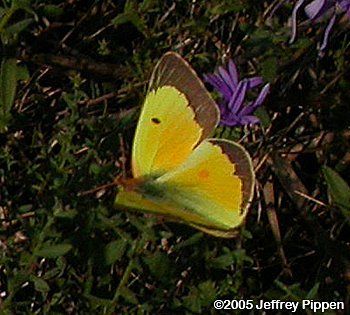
(131, 15)
(312, 294)
(225, 8)
(95, 169)
(207, 292)
(128, 295)
(192, 301)
(21, 4)
(192, 241)
(133, 18)
(16, 281)
(223, 261)
(338, 189)
(148, 5)
(160, 266)
(10, 73)
(229, 257)
(130, 6)
(201, 296)
(65, 214)
(5, 119)
(2, 12)
(97, 301)
(53, 251)
(40, 284)
(25, 208)
(263, 115)
(15, 29)
(114, 251)
(8, 82)
(22, 73)
(51, 10)
(269, 69)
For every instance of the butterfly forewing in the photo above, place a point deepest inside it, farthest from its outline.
(178, 113)
(173, 70)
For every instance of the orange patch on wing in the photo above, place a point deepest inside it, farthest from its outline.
(208, 183)
(203, 174)
(166, 134)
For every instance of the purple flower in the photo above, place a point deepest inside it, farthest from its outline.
(234, 111)
(345, 6)
(318, 9)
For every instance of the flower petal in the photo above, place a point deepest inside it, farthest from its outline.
(213, 80)
(238, 97)
(327, 32)
(219, 85)
(230, 121)
(232, 69)
(262, 95)
(254, 82)
(234, 92)
(226, 78)
(294, 19)
(276, 7)
(250, 108)
(345, 6)
(317, 8)
(249, 120)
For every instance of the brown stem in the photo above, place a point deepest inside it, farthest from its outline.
(81, 64)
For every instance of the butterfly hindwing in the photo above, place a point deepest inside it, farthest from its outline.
(215, 182)
(211, 190)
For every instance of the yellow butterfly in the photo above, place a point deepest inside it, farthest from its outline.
(178, 171)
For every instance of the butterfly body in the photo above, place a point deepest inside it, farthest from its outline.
(178, 171)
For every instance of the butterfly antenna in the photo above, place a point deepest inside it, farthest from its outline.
(101, 188)
(118, 180)
(123, 157)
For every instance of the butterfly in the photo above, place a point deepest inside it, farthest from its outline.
(178, 171)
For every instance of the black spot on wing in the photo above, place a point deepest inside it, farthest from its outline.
(155, 120)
